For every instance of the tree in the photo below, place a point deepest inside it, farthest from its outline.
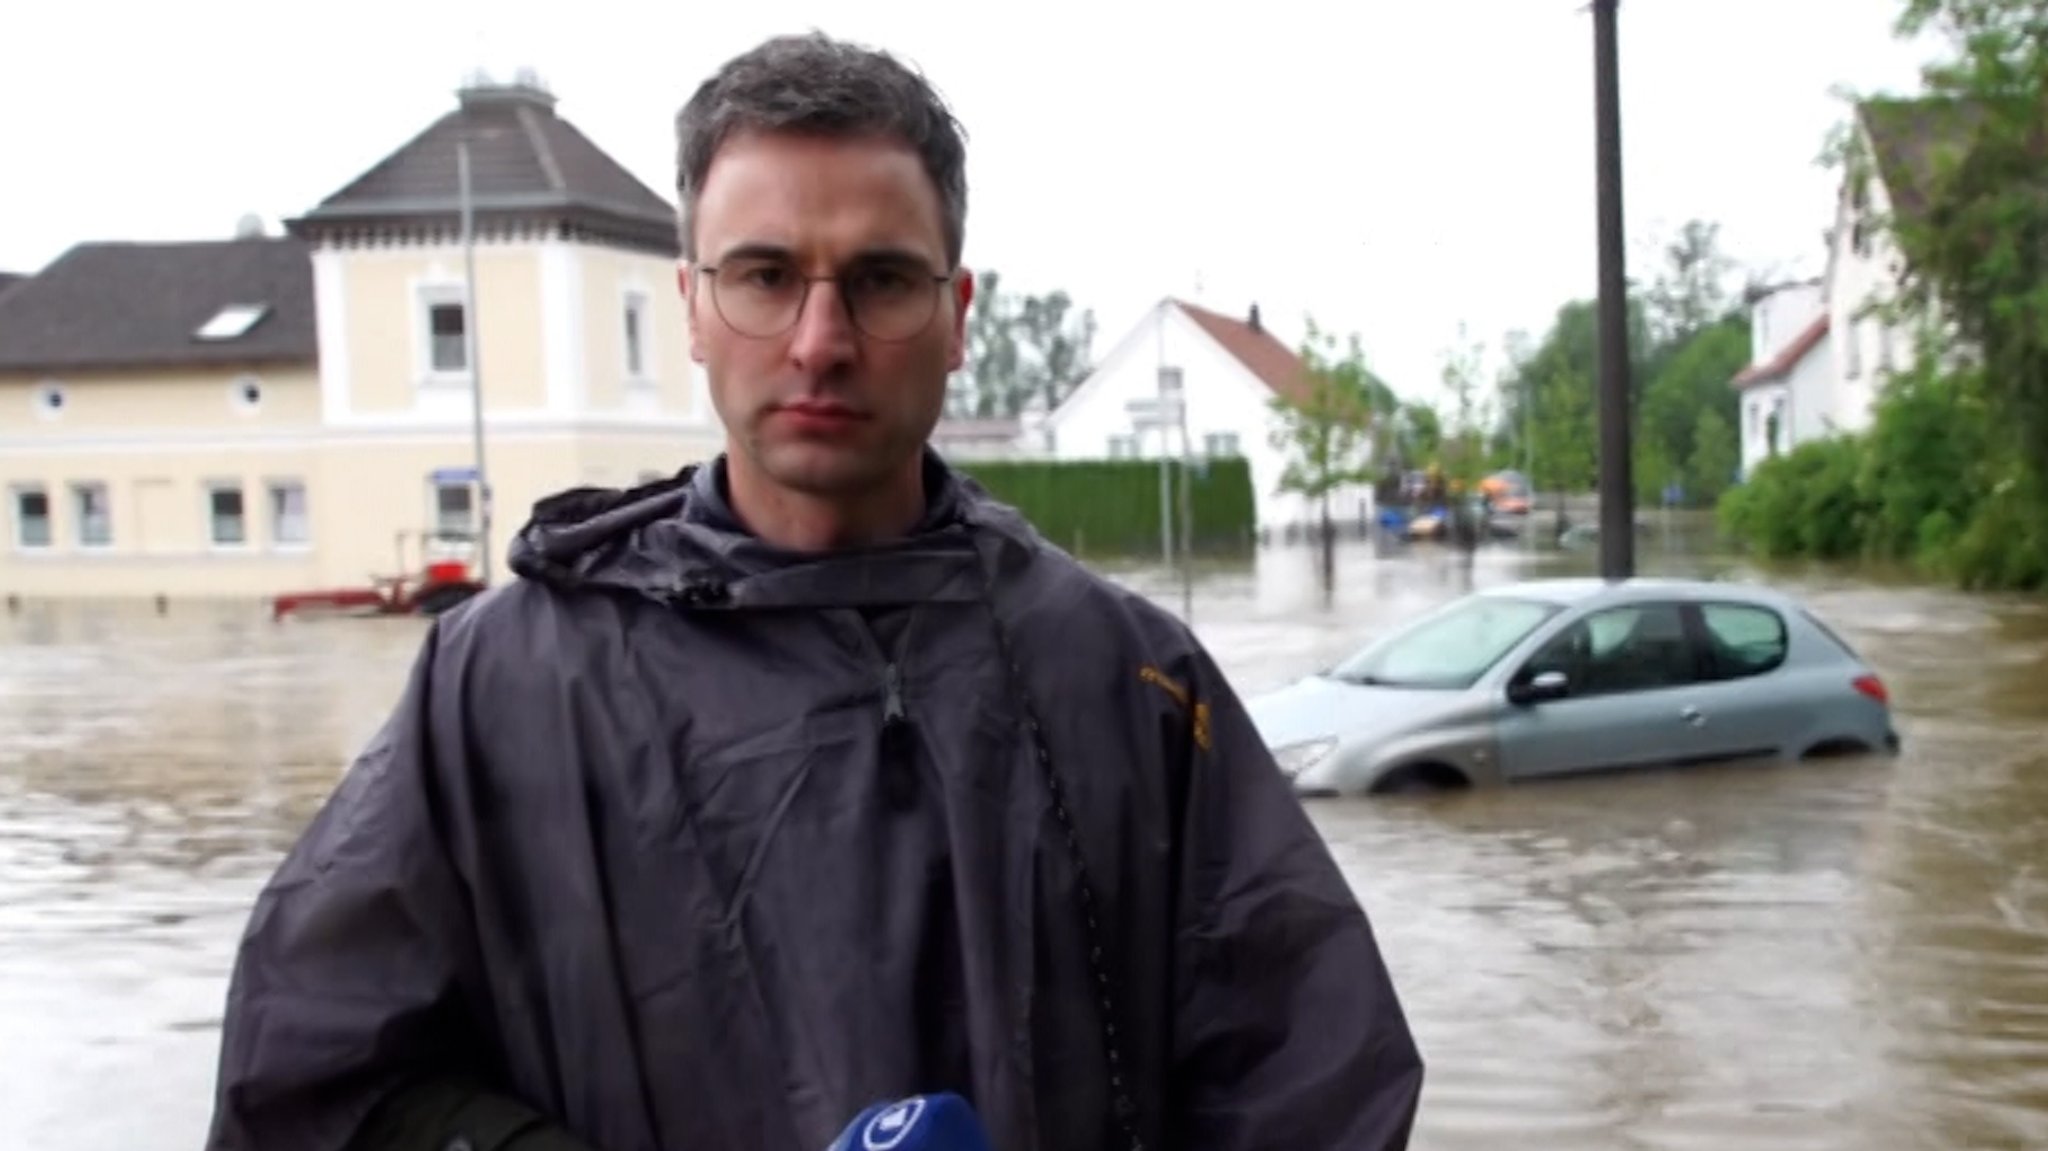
(1466, 449)
(1687, 340)
(1020, 349)
(1692, 289)
(1059, 340)
(1553, 384)
(1417, 433)
(1716, 454)
(985, 386)
(1952, 475)
(1692, 383)
(1975, 242)
(1326, 430)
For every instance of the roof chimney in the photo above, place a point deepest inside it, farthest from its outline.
(1254, 320)
(481, 89)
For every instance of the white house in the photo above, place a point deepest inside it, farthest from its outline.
(1864, 263)
(1230, 371)
(977, 438)
(1823, 349)
(1789, 391)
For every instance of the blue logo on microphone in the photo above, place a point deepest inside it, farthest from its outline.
(887, 1130)
(942, 1121)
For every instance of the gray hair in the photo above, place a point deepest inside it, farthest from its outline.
(815, 85)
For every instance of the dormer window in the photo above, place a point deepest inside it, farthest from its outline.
(232, 322)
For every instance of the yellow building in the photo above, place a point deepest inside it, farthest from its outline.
(273, 413)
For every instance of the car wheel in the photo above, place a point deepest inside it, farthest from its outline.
(1421, 779)
(1842, 748)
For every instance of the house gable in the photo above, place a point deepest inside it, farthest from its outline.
(1787, 358)
(1265, 365)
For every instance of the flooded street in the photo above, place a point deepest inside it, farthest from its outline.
(1848, 955)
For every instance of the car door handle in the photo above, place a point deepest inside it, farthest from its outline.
(1692, 715)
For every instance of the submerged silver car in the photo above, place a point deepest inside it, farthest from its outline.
(1554, 677)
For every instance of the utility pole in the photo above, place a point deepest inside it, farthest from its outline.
(1187, 518)
(1160, 386)
(476, 371)
(1617, 482)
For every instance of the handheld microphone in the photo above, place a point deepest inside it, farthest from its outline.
(942, 1122)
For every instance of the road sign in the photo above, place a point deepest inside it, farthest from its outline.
(1155, 413)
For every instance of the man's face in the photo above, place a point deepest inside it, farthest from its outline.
(820, 406)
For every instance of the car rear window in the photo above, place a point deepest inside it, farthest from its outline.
(1743, 639)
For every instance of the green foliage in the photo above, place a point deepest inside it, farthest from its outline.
(1326, 432)
(1716, 456)
(1952, 476)
(1687, 340)
(1020, 348)
(1685, 428)
(1806, 503)
(1466, 455)
(1923, 488)
(1111, 507)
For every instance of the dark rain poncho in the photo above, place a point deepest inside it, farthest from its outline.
(687, 844)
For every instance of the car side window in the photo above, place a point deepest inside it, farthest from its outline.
(1640, 647)
(1742, 639)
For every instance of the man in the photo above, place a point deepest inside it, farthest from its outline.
(812, 777)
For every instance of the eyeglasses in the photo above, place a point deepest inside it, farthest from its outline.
(763, 296)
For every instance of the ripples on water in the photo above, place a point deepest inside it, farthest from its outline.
(1848, 955)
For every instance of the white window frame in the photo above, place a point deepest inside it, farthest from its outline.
(1124, 446)
(427, 296)
(439, 527)
(1231, 446)
(635, 317)
(78, 490)
(16, 493)
(207, 491)
(274, 519)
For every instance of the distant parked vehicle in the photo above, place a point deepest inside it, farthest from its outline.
(1555, 677)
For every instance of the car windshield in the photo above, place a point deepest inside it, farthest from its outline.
(1449, 649)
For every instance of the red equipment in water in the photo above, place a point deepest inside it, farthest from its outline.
(435, 587)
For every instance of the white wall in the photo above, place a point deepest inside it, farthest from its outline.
(1777, 319)
(1223, 399)
(1803, 400)
(1862, 272)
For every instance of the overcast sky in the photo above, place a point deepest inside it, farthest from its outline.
(1398, 171)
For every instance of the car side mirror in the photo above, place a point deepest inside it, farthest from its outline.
(1544, 685)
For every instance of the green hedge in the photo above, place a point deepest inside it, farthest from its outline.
(1111, 507)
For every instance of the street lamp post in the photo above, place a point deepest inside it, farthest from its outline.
(1173, 397)
(1617, 482)
(476, 372)
(1165, 411)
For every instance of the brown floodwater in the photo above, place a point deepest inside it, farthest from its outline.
(1847, 955)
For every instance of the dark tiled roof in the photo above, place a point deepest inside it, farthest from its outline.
(140, 305)
(1911, 138)
(528, 167)
(9, 279)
